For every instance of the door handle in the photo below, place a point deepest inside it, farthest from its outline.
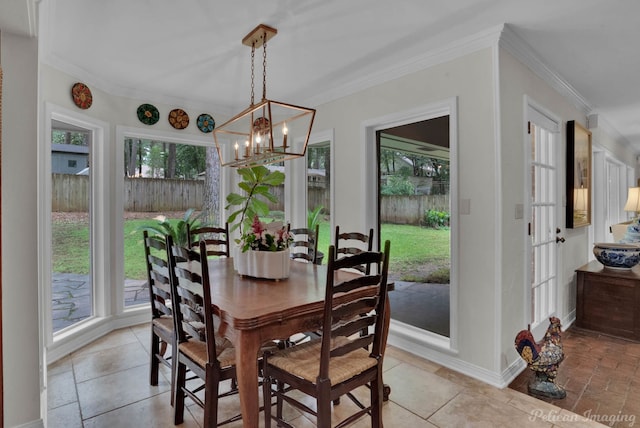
(559, 239)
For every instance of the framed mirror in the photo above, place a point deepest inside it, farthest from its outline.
(579, 186)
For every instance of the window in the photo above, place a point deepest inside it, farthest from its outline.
(319, 192)
(166, 182)
(71, 272)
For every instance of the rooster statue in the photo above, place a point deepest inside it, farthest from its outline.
(543, 358)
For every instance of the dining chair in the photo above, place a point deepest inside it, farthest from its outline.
(350, 243)
(162, 330)
(209, 357)
(342, 359)
(305, 244)
(215, 238)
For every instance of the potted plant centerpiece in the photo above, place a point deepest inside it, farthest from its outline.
(262, 249)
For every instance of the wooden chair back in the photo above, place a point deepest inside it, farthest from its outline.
(348, 244)
(155, 251)
(215, 238)
(193, 314)
(362, 315)
(305, 243)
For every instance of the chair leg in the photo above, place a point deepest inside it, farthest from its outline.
(279, 400)
(266, 398)
(212, 385)
(178, 403)
(155, 348)
(376, 401)
(174, 362)
(323, 401)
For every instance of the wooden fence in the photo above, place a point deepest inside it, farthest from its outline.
(71, 194)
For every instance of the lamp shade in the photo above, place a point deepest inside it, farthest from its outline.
(581, 199)
(633, 200)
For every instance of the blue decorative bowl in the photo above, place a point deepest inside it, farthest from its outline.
(617, 255)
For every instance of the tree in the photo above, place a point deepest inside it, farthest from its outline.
(388, 160)
(170, 167)
(131, 148)
(211, 200)
(190, 161)
(156, 159)
(69, 137)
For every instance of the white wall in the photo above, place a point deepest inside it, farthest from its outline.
(20, 310)
(470, 80)
(516, 81)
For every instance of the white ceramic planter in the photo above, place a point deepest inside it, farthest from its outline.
(262, 264)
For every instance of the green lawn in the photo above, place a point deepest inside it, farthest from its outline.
(417, 253)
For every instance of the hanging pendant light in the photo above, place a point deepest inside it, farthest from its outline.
(266, 132)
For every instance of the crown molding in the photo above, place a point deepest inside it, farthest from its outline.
(451, 51)
(521, 50)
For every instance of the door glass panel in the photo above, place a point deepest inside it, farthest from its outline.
(414, 165)
(72, 286)
(544, 223)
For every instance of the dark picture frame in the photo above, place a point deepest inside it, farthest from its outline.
(579, 182)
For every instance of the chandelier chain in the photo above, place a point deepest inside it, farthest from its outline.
(264, 67)
(253, 54)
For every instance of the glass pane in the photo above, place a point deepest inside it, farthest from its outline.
(166, 185)
(72, 287)
(415, 208)
(318, 194)
(544, 193)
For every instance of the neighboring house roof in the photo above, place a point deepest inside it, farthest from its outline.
(69, 148)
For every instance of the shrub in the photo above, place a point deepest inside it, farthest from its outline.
(436, 219)
(398, 185)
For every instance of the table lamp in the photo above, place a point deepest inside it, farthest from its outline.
(633, 201)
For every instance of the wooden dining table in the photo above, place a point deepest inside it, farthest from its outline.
(255, 311)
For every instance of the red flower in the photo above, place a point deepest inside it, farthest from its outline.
(257, 227)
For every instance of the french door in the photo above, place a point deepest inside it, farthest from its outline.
(544, 222)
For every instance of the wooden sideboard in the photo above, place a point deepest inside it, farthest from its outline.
(608, 300)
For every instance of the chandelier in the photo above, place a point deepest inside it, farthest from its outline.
(266, 132)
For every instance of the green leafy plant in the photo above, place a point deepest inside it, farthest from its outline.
(436, 219)
(314, 218)
(398, 185)
(256, 183)
(176, 228)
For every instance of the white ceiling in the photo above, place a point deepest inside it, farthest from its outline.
(190, 51)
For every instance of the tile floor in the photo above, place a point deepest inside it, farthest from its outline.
(105, 384)
(599, 374)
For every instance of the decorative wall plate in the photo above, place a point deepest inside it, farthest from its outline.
(206, 123)
(148, 114)
(178, 118)
(81, 95)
